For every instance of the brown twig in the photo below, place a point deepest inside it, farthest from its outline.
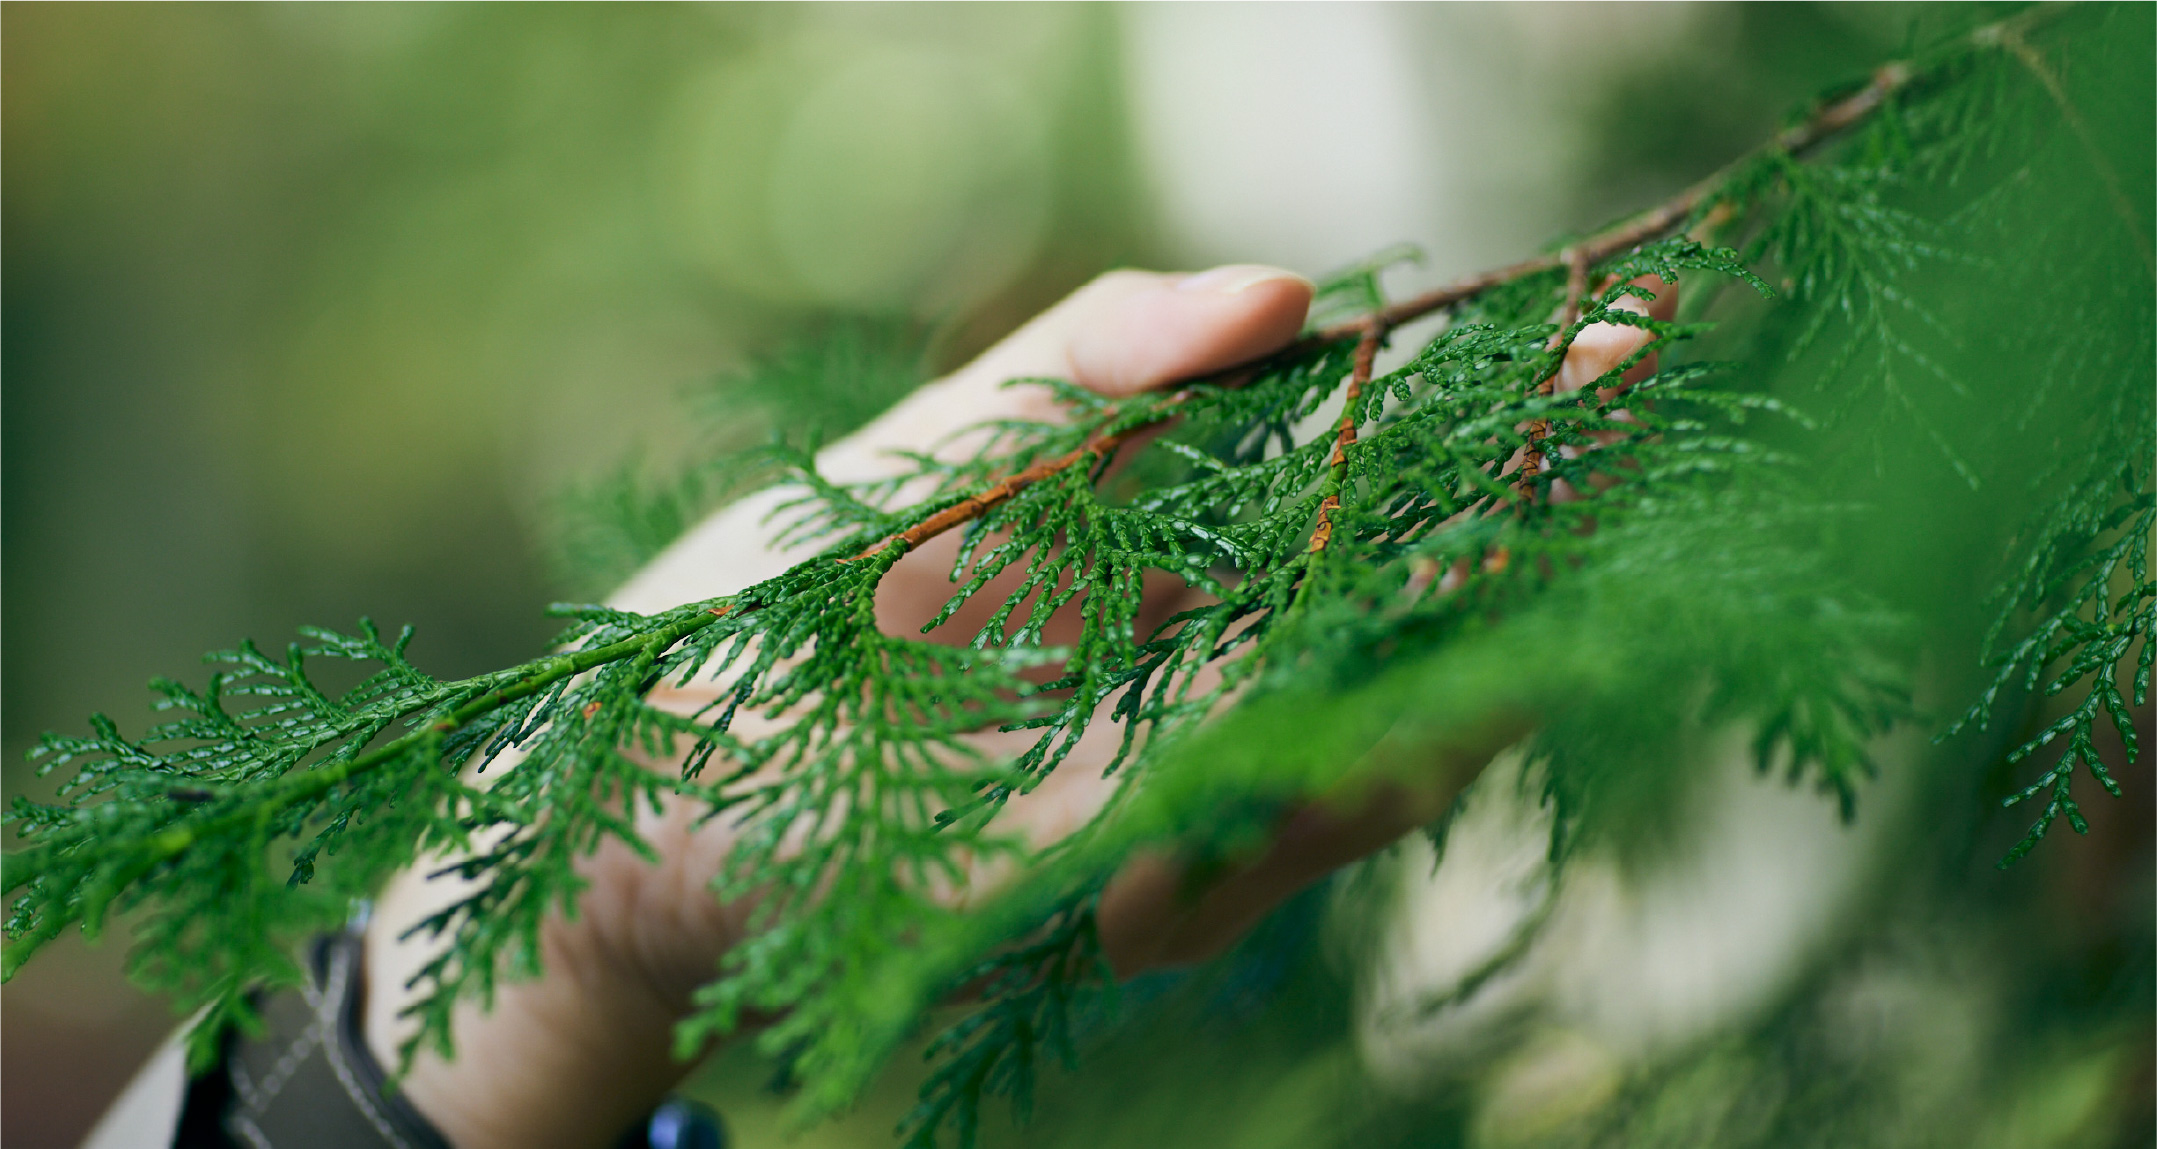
(1374, 333)
(1824, 123)
(967, 510)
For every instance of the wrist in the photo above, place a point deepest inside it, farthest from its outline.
(555, 1062)
(569, 1059)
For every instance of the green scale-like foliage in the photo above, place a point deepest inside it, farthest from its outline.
(1738, 563)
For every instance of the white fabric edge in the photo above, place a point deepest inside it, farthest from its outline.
(146, 1115)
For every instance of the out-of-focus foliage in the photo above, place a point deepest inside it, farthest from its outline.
(308, 306)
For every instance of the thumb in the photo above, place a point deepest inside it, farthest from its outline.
(1124, 333)
(1138, 332)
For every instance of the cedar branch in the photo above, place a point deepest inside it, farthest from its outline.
(1825, 122)
(1374, 333)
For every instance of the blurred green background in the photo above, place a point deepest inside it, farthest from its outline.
(312, 310)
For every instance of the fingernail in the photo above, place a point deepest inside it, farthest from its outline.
(1236, 277)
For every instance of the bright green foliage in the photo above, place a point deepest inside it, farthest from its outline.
(1748, 563)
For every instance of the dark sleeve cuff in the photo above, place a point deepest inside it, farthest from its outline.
(310, 1082)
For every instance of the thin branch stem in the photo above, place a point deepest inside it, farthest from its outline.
(1096, 449)
(1826, 122)
(2011, 38)
(1374, 333)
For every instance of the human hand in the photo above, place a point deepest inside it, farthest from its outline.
(577, 1055)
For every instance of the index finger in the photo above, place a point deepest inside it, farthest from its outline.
(1122, 334)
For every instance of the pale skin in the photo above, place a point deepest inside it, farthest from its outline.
(572, 1059)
